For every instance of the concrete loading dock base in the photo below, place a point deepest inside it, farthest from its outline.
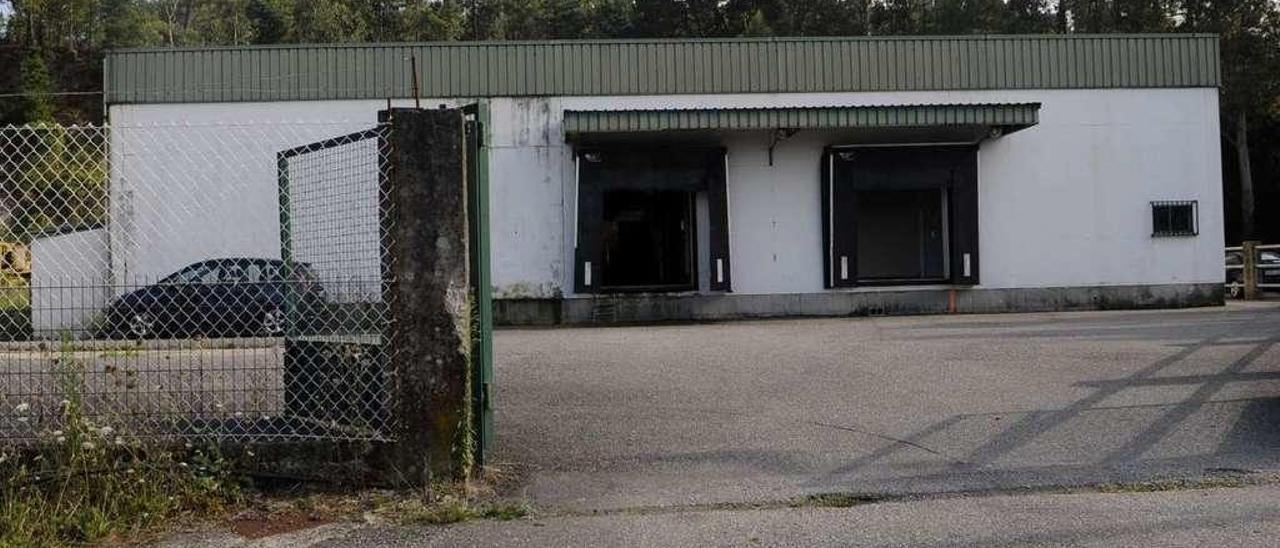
(607, 309)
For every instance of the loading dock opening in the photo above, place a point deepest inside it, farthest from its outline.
(901, 235)
(637, 218)
(649, 241)
(900, 215)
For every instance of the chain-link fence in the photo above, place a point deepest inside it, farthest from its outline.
(213, 281)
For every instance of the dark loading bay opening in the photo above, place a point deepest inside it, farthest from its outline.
(648, 239)
(901, 235)
(637, 227)
(894, 216)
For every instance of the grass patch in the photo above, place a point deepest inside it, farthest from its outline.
(1172, 485)
(90, 491)
(833, 500)
(88, 481)
(451, 503)
(417, 511)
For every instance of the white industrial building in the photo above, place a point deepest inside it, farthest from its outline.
(670, 179)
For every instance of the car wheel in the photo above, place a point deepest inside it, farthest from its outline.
(1235, 285)
(142, 324)
(272, 323)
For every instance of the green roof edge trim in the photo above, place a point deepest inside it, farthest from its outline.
(1010, 117)
(660, 67)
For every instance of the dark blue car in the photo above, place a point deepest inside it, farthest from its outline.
(234, 297)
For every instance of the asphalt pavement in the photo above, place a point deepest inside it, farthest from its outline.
(653, 416)
(1219, 517)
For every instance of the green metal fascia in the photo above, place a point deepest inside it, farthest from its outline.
(660, 67)
(1010, 116)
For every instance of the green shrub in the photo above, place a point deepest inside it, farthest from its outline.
(88, 480)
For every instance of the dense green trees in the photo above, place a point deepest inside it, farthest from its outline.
(37, 105)
(57, 45)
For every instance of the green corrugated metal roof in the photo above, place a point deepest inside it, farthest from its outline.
(1010, 117)
(646, 67)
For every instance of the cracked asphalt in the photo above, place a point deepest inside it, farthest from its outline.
(653, 416)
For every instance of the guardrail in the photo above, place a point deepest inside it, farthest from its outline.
(1254, 271)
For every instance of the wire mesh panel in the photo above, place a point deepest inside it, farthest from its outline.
(333, 239)
(152, 285)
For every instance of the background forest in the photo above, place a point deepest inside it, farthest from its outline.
(51, 50)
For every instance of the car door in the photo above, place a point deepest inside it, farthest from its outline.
(178, 306)
(211, 295)
(254, 292)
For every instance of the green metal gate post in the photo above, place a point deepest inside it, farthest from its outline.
(482, 288)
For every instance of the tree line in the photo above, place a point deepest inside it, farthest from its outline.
(57, 45)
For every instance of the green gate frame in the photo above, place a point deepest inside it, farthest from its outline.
(481, 286)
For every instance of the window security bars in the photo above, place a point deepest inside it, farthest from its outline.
(1175, 218)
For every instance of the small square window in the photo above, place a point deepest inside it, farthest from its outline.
(1175, 218)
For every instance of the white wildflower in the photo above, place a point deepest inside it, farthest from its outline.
(250, 453)
(57, 433)
(22, 408)
(60, 439)
(119, 441)
(88, 445)
(106, 431)
(64, 404)
(239, 414)
(182, 464)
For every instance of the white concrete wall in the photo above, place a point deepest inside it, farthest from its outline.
(1064, 203)
(195, 182)
(69, 282)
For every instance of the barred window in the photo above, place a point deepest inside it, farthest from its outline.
(1175, 218)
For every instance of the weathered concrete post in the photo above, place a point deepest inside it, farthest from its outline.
(431, 318)
(1249, 249)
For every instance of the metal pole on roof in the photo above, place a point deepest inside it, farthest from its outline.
(413, 65)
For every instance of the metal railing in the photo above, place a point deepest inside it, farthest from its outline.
(1253, 273)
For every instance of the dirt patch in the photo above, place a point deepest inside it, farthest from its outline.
(256, 525)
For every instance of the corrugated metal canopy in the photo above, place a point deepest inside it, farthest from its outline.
(1007, 117)
(660, 67)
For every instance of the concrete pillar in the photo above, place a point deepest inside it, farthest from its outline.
(1249, 249)
(431, 316)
